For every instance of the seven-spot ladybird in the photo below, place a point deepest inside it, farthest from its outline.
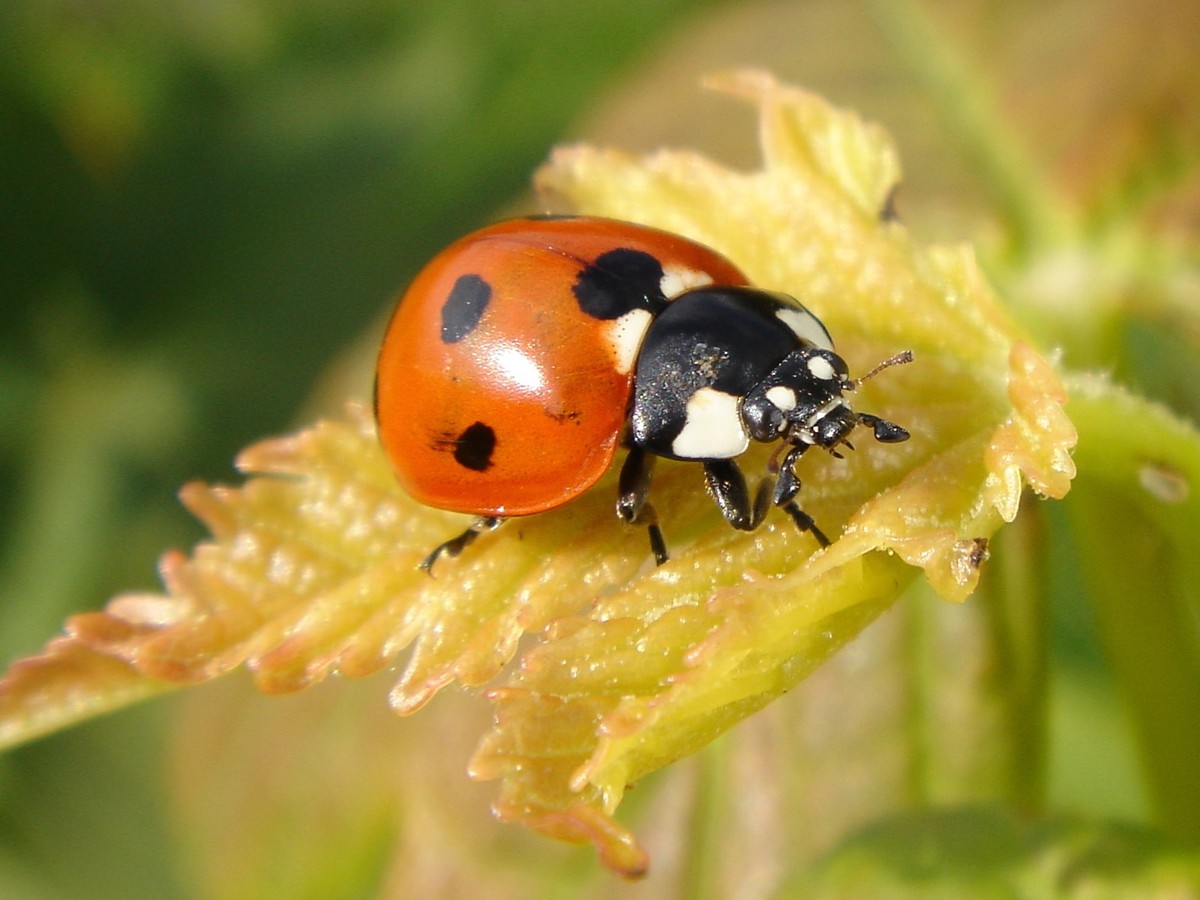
(525, 354)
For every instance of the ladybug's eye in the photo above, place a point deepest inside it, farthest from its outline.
(763, 416)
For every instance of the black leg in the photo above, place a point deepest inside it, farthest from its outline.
(787, 485)
(786, 489)
(457, 545)
(805, 522)
(658, 546)
(728, 488)
(633, 485)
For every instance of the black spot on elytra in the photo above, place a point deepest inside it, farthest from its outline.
(473, 448)
(464, 307)
(619, 281)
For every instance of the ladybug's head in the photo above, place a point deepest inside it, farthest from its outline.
(802, 401)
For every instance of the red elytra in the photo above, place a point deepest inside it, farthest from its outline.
(505, 376)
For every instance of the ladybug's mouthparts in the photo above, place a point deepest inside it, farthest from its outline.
(826, 426)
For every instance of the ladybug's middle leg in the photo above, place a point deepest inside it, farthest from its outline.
(633, 485)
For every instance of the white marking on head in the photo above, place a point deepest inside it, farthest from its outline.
(782, 398)
(677, 279)
(805, 326)
(624, 338)
(713, 428)
(821, 368)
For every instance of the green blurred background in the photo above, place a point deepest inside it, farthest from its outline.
(203, 205)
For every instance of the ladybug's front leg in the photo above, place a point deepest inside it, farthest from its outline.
(632, 487)
(786, 488)
(727, 485)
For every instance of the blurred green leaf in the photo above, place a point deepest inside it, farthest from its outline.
(991, 853)
(1137, 513)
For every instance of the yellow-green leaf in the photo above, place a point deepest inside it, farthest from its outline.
(657, 669)
(312, 565)
(66, 683)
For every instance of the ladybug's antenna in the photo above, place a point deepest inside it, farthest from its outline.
(898, 360)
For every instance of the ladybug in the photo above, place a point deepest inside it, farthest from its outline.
(524, 355)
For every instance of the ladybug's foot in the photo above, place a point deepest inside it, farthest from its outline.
(658, 546)
(632, 508)
(455, 546)
(805, 522)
